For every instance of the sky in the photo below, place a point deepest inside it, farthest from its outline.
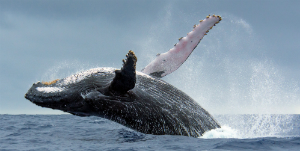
(248, 64)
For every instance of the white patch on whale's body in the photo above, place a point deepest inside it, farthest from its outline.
(82, 75)
(50, 89)
(92, 95)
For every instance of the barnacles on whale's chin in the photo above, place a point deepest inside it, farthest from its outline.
(51, 82)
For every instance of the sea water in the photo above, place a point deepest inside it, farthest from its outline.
(68, 132)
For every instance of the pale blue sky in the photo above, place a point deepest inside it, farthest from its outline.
(249, 63)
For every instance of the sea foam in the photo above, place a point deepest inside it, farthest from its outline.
(223, 132)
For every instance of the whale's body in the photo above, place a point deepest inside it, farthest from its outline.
(139, 100)
(152, 106)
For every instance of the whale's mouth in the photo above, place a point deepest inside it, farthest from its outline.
(57, 95)
(76, 98)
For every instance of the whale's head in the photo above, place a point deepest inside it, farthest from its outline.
(69, 94)
(72, 94)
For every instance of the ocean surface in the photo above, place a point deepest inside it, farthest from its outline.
(68, 132)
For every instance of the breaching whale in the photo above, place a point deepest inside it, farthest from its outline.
(138, 100)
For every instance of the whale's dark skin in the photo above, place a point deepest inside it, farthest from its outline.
(136, 100)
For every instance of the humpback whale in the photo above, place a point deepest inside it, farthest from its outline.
(139, 100)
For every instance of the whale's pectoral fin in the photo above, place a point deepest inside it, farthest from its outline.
(125, 78)
(170, 61)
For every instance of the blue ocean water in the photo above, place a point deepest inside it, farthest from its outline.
(68, 132)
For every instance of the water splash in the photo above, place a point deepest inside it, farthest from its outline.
(257, 125)
(64, 69)
(223, 132)
(252, 126)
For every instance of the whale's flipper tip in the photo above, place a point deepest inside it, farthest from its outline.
(125, 78)
(130, 62)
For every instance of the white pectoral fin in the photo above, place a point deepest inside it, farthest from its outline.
(170, 61)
